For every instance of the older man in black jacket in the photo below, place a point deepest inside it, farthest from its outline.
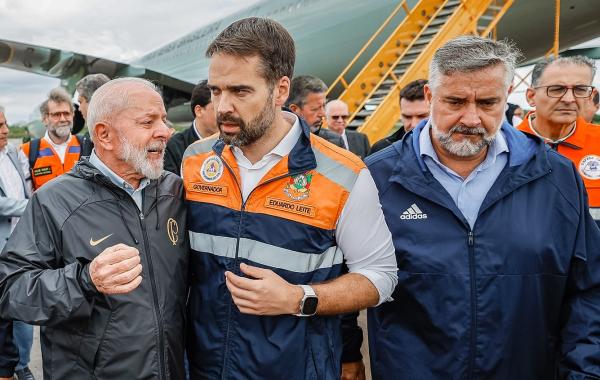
(100, 256)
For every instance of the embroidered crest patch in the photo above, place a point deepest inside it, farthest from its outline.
(298, 187)
(212, 169)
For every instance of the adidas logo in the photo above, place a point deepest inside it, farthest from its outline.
(413, 212)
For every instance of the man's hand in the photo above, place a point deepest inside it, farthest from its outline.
(116, 270)
(353, 371)
(264, 294)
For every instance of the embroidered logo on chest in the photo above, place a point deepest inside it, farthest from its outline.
(298, 186)
(589, 167)
(212, 169)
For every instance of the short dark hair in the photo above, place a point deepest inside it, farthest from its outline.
(262, 37)
(578, 60)
(200, 96)
(302, 86)
(414, 90)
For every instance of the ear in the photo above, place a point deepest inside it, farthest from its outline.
(104, 136)
(294, 108)
(282, 91)
(198, 110)
(428, 95)
(530, 96)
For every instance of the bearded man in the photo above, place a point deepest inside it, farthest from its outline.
(498, 256)
(273, 212)
(100, 256)
(58, 151)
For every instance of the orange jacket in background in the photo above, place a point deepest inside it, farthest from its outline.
(583, 149)
(47, 165)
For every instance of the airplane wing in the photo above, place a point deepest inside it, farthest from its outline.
(70, 67)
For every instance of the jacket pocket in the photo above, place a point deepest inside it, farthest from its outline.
(90, 344)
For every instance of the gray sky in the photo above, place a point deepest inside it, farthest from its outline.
(115, 29)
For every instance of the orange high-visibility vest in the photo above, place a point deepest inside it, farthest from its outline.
(583, 149)
(47, 165)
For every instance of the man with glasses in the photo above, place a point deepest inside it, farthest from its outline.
(559, 91)
(58, 151)
(337, 114)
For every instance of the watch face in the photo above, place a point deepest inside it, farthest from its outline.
(310, 305)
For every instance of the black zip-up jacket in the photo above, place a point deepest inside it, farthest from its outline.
(44, 277)
(9, 355)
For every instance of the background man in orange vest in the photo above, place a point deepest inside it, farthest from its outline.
(58, 151)
(559, 91)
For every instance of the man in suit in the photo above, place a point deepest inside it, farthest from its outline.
(337, 118)
(204, 125)
(15, 189)
(307, 99)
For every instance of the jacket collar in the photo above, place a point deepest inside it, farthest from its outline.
(528, 160)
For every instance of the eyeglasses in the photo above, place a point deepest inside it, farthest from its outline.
(558, 91)
(59, 115)
(343, 117)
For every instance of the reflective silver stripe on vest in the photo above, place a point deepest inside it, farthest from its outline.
(338, 173)
(266, 254)
(595, 213)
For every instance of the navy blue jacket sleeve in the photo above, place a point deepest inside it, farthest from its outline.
(9, 355)
(580, 333)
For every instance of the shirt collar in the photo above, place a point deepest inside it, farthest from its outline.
(196, 130)
(497, 147)
(47, 137)
(114, 178)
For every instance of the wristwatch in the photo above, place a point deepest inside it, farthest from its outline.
(308, 303)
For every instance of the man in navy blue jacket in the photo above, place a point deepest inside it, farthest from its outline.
(498, 256)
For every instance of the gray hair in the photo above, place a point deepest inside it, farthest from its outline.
(467, 54)
(578, 60)
(302, 86)
(108, 101)
(87, 85)
(334, 101)
(57, 95)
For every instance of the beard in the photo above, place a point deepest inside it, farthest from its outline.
(139, 160)
(63, 131)
(250, 132)
(464, 147)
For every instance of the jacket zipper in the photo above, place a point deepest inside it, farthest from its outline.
(237, 248)
(471, 243)
(161, 365)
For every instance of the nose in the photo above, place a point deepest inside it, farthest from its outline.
(163, 131)
(470, 116)
(568, 97)
(223, 104)
(321, 112)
